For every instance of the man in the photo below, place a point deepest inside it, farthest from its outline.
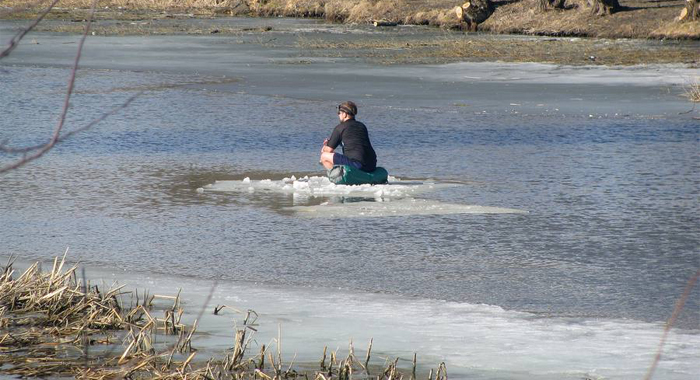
(352, 135)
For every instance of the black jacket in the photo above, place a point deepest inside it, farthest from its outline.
(356, 145)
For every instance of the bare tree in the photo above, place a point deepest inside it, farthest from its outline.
(676, 312)
(32, 153)
(474, 12)
(691, 11)
(18, 37)
(603, 7)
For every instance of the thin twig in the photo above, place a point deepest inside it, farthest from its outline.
(66, 103)
(67, 135)
(14, 42)
(206, 301)
(671, 321)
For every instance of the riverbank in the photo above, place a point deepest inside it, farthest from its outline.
(617, 39)
(635, 19)
(388, 46)
(181, 327)
(60, 323)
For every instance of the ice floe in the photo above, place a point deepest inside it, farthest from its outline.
(396, 198)
(321, 186)
(406, 206)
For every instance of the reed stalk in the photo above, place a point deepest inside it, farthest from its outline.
(693, 91)
(48, 321)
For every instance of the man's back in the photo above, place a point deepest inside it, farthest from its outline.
(356, 144)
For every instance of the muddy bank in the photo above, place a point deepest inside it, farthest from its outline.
(635, 19)
(395, 46)
(638, 19)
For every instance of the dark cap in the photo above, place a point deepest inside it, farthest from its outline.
(348, 107)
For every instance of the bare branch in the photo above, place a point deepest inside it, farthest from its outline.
(6, 149)
(18, 37)
(676, 311)
(66, 104)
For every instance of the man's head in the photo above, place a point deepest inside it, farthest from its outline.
(347, 110)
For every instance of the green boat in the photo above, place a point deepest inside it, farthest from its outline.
(347, 175)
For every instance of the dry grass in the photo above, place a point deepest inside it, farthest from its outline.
(692, 91)
(452, 48)
(678, 30)
(49, 320)
(52, 324)
(640, 19)
(568, 51)
(367, 11)
(433, 12)
(523, 17)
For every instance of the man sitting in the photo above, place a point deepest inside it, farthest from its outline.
(352, 135)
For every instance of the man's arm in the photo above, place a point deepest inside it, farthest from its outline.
(326, 148)
(335, 139)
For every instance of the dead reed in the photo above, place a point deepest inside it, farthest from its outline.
(692, 91)
(56, 324)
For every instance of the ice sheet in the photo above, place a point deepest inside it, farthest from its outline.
(393, 199)
(407, 206)
(555, 74)
(472, 339)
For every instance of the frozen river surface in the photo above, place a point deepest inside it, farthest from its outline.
(549, 215)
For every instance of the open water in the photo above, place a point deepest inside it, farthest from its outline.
(599, 167)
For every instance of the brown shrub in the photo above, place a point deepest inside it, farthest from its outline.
(368, 10)
(304, 8)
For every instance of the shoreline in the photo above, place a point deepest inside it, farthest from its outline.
(309, 327)
(80, 326)
(515, 32)
(403, 45)
(194, 290)
(637, 19)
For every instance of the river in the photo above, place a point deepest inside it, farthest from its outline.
(598, 164)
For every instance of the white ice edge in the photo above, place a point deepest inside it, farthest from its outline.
(393, 199)
(476, 341)
(321, 186)
(544, 73)
(401, 207)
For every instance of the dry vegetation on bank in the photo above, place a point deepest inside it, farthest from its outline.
(453, 48)
(55, 324)
(636, 19)
(385, 48)
(693, 91)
